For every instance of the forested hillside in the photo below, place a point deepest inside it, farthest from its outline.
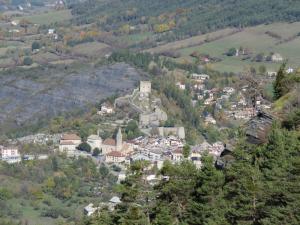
(186, 18)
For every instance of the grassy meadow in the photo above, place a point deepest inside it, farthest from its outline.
(47, 18)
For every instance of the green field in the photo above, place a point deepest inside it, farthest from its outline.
(91, 49)
(256, 40)
(50, 17)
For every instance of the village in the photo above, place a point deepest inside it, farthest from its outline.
(156, 144)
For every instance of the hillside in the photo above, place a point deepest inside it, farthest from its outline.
(36, 94)
(185, 18)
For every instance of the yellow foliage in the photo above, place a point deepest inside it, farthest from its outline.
(49, 183)
(125, 29)
(160, 28)
(172, 24)
(37, 193)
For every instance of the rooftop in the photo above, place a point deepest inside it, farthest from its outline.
(109, 141)
(70, 137)
(115, 154)
(94, 137)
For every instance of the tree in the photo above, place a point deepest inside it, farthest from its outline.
(132, 130)
(163, 216)
(231, 52)
(134, 216)
(186, 151)
(279, 87)
(84, 147)
(27, 61)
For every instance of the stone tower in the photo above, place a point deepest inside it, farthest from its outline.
(119, 141)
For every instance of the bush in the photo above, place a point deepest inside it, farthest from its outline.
(104, 171)
(5, 194)
(27, 61)
(51, 212)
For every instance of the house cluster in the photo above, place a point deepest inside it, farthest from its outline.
(157, 150)
(114, 150)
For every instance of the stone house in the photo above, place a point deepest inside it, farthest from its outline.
(68, 143)
(115, 157)
(177, 155)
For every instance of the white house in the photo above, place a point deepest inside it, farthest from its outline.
(276, 57)
(106, 109)
(90, 209)
(51, 31)
(180, 85)
(200, 76)
(10, 155)
(15, 22)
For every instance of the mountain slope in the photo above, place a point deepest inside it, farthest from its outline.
(190, 16)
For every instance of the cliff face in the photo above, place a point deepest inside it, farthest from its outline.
(28, 97)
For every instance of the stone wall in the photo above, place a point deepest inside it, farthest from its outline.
(166, 131)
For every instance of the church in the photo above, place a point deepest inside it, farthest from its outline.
(117, 144)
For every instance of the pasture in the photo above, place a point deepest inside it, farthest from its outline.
(256, 39)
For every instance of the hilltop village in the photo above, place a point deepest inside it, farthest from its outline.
(155, 142)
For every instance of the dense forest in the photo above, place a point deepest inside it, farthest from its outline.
(186, 18)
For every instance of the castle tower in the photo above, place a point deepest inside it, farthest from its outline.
(119, 141)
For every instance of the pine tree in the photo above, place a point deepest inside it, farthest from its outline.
(207, 205)
(279, 88)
